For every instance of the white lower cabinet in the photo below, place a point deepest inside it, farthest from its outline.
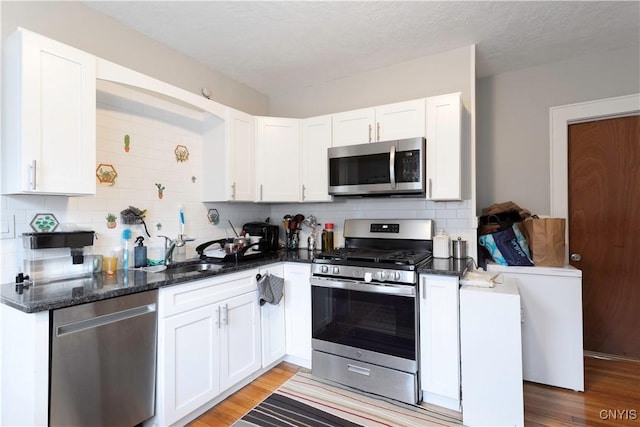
(297, 289)
(439, 340)
(491, 351)
(273, 323)
(551, 299)
(208, 340)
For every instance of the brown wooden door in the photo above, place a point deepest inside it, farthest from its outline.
(604, 229)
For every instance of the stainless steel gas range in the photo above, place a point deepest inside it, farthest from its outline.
(365, 308)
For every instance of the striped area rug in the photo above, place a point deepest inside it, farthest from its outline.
(305, 400)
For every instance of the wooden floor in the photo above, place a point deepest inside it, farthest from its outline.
(611, 398)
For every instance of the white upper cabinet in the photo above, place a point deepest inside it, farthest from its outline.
(400, 120)
(353, 127)
(383, 123)
(49, 117)
(229, 158)
(242, 159)
(444, 130)
(316, 139)
(278, 159)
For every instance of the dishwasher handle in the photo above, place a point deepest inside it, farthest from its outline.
(98, 321)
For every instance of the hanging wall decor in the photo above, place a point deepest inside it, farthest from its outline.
(160, 190)
(127, 142)
(111, 221)
(106, 174)
(44, 223)
(182, 153)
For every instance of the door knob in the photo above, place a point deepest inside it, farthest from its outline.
(576, 257)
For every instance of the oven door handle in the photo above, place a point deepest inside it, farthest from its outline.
(390, 289)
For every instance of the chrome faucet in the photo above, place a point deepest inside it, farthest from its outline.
(170, 245)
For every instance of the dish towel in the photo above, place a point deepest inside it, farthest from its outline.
(270, 289)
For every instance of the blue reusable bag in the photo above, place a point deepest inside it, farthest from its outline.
(507, 247)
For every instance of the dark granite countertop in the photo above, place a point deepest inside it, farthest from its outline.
(447, 266)
(74, 291)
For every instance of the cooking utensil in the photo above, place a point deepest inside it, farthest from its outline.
(233, 228)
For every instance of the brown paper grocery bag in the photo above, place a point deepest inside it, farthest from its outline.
(545, 237)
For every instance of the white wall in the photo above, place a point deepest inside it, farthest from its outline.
(73, 23)
(513, 121)
(451, 71)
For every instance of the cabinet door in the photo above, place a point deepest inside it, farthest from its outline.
(239, 338)
(443, 147)
(400, 120)
(439, 337)
(272, 323)
(491, 352)
(278, 159)
(353, 127)
(297, 289)
(552, 328)
(316, 139)
(191, 358)
(50, 117)
(241, 144)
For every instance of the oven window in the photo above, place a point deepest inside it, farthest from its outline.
(360, 170)
(371, 321)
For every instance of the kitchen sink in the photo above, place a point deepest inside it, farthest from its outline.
(194, 267)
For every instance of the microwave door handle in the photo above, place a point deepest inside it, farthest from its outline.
(392, 166)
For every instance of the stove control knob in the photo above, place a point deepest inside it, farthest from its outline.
(397, 276)
(382, 275)
(367, 277)
(336, 270)
(324, 269)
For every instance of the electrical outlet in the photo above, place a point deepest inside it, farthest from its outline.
(8, 228)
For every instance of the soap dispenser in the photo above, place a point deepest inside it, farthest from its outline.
(140, 253)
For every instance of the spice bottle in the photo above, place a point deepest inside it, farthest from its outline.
(327, 237)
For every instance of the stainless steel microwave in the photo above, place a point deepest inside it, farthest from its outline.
(379, 168)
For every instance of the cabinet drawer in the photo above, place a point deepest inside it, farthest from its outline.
(179, 298)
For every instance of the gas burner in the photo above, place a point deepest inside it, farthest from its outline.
(376, 256)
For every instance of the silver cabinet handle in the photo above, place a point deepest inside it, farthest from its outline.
(303, 190)
(233, 191)
(358, 369)
(225, 319)
(430, 186)
(377, 131)
(392, 166)
(576, 257)
(32, 174)
(369, 132)
(218, 323)
(260, 192)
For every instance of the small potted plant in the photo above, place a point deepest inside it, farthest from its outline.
(160, 190)
(127, 142)
(111, 221)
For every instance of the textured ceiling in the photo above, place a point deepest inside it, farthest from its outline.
(278, 46)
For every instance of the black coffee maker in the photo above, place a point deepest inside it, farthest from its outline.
(270, 234)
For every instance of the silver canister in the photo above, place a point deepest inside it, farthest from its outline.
(459, 248)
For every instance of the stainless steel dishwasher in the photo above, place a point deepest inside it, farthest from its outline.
(103, 362)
